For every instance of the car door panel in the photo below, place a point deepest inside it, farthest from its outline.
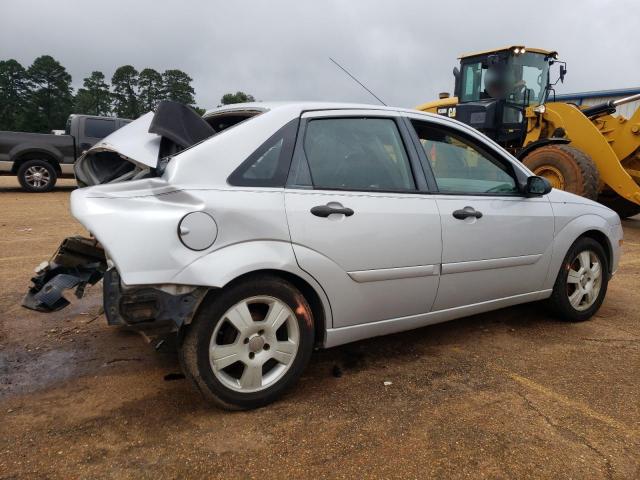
(504, 253)
(379, 258)
(380, 263)
(494, 244)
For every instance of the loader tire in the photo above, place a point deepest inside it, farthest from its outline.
(566, 168)
(623, 207)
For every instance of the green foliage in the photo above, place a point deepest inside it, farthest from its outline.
(200, 111)
(177, 87)
(14, 87)
(50, 101)
(238, 97)
(40, 98)
(125, 98)
(150, 89)
(94, 98)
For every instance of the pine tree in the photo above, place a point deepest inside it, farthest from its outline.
(50, 100)
(177, 87)
(14, 90)
(95, 97)
(125, 97)
(150, 89)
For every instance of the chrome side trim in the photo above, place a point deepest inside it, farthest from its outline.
(362, 276)
(5, 166)
(66, 168)
(475, 265)
(353, 333)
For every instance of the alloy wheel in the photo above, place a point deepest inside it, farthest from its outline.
(254, 344)
(584, 280)
(37, 177)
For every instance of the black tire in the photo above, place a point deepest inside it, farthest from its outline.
(44, 183)
(194, 348)
(623, 207)
(574, 169)
(559, 301)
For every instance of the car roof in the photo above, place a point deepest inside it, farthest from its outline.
(302, 106)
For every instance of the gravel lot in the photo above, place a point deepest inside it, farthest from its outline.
(509, 394)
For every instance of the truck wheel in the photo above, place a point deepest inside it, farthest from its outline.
(623, 207)
(566, 168)
(249, 343)
(37, 176)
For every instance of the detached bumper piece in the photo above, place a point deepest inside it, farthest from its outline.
(78, 262)
(147, 308)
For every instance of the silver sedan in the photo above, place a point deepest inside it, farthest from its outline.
(262, 231)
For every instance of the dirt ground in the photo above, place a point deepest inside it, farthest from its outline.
(509, 394)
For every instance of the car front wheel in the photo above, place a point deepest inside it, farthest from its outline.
(582, 282)
(249, 343)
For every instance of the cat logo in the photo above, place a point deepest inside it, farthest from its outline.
(449, 112)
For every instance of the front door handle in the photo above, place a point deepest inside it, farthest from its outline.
(326, 210)
(467, 212)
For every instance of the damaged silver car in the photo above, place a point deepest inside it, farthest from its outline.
(262, 231)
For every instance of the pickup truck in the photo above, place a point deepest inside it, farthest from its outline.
(39, 159)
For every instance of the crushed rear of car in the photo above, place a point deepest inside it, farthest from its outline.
(139, 151)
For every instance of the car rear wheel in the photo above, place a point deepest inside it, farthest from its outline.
(566, 168)
(249, 343)
(582, 282)
(37, 176)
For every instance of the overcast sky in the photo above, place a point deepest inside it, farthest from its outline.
(278, 50)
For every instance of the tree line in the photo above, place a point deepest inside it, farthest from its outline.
(39, 98)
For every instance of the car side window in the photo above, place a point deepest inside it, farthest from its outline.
(461, 166)
(269, 165)
(365, 154)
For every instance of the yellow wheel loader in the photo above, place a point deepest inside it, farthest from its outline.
(508, 95)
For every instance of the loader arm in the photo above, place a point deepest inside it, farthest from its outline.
(624, 137)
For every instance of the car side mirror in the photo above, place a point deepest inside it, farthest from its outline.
(537, 186)
(563, 72)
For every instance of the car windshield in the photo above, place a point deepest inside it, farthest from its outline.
(521, 79)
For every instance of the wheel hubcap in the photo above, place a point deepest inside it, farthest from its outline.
(584, 280)
(552, 174)
(254, 344)
(37, 177)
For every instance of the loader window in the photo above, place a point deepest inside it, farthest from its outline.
(472, 82)
(520, 79)
(461, 166)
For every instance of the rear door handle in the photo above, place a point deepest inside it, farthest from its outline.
(326, 210)
(467, 212)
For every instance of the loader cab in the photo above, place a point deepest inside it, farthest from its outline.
(494, 89)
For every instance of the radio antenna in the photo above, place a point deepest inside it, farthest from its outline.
(357, 81)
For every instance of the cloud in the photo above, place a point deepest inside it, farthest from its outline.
(402, 50)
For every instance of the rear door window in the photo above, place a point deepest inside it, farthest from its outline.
(365, 154)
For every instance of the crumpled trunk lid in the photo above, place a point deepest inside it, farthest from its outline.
(135, 150)
(128, 153)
